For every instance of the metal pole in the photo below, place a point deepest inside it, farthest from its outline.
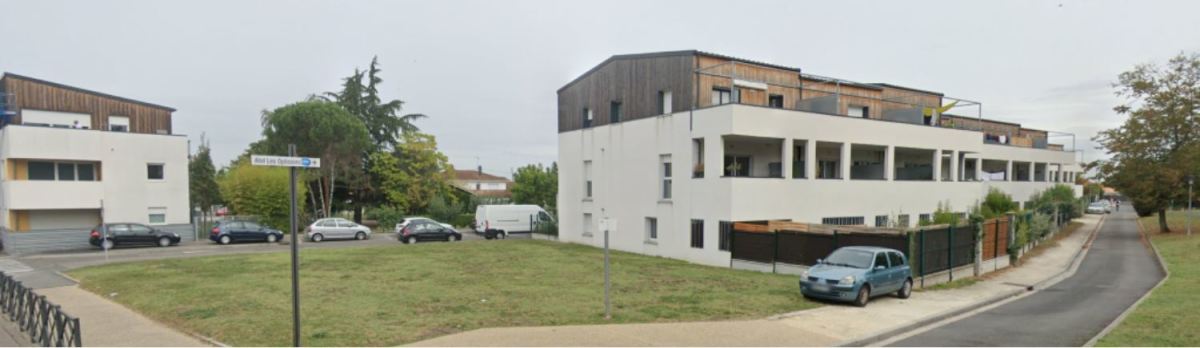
(295, 254)
(1189, 213)
(607, 284)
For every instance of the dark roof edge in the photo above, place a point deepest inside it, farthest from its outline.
(984, 119)
(81, 90)
(672, 54)
(844, 82)
(907, 88)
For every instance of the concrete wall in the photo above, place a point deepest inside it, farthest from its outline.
(123, 187)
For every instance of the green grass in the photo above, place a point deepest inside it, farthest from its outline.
(399, 294)
(1171, 315)
(955, 284)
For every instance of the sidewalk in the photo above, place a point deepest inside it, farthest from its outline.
(829, 325)
(106, 323)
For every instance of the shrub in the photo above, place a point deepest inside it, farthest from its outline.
(941, 216)
(463, 220)
(262, 192)
(996, 203)
(387, 216)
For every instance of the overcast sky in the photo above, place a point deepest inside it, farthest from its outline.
(486, 72)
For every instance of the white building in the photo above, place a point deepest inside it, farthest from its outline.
(675, 146)
(72, 158)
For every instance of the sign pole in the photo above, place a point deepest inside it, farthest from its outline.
(295, 254)
(607, 284)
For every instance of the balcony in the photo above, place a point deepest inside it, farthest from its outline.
(36, 195)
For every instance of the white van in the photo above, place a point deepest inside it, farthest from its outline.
(498, 221)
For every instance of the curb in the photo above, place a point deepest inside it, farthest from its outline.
(890, 333)
(1120, 318)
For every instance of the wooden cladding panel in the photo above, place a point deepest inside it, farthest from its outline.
(635, 83)
(26, 94)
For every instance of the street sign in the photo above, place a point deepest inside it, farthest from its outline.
(285, 161)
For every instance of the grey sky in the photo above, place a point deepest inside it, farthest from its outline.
(486, 71)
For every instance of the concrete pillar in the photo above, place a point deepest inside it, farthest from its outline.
(979, 169)
(810, 159)
(889, 163)
(937, 165)
(954, 174)
(845, 161)
(1032, 170)
(1008, 170)
(786, 158)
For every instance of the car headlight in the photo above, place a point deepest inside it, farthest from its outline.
(846, 281)
(804, 275)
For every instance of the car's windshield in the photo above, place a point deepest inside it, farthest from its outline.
(850, 258)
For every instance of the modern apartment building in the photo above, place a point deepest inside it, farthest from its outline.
(71, 158)
(675, 146)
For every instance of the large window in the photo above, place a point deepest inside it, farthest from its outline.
(665, 176)
(775, 101)
(737, 165)
(587, 117)
(118, 123)
(725, 235)
(158, 215)
(858, 111)
(881, 221)
(698, 158)
(587, 224)
(61, 171)
(844, 221)
(664, 102)
(154, 171)
(698, 233)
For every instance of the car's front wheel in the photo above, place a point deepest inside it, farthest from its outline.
(906, 290)
(226, 240)
(864, 295)
(411, 240)
(360, 236)
(271, 238)
(450, 238)
(317, 237)
(164, 242)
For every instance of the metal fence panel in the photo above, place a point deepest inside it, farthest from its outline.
(753, 246)
(45, 322)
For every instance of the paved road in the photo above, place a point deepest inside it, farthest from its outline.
(1117, 271)
(38, 270)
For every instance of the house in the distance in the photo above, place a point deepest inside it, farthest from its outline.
(72, 158)
(486, 188)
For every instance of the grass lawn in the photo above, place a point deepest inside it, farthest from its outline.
(399, 294)
(1171, 315)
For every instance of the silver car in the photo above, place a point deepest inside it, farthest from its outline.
(336, 228)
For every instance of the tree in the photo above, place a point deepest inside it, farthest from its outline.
(320, 129)
(996, 203)
(536, 184)
(382, 120)
(202, 176)
(412, 175)
(1157, 146)
(260, 191)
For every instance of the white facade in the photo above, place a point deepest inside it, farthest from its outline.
(124, 187)
(478, 185)
(627, 174)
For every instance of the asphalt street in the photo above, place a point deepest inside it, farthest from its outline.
(41, 270)
(1118, 270)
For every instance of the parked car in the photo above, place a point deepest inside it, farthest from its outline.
(226, 232)
(858, 273)
(107, 236)
(336, 228)
(1098, 207)
(498, 221)
(412, 219)
(427, 231)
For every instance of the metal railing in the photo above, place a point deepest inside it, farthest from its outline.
(45, 322)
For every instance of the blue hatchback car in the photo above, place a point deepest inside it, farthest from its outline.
(857, 273)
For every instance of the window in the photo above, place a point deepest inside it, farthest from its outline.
(698, 158)
(139, 229)
(923, 219)
(843, 221)
(587, 179)
(587, 224)
(158, 215)
(651, 229)
(66, 171)
(154, 171)
(721, 96)
(725, 235)
(85, 171)
(587, 118)
(40, 170)
(895, 259)
(251, 226)
(881, 259)
(737, 165)
(858, 111)
(614, 112)
(881, 220)
(118, 123)
(827, 169)
(902, 220)
(775, 101)
(665, 176)
(698, 233)
(664, 102)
